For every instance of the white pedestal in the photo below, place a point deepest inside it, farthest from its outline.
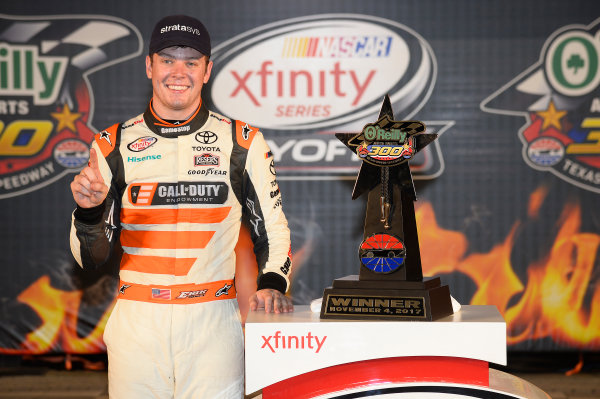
(298, 355)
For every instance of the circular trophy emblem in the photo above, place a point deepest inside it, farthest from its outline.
(382, 253)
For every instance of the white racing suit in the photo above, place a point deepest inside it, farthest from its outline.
(178, 194)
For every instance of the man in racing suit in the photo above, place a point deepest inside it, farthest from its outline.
(174, 184)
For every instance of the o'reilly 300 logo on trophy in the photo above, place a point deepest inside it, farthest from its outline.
(390, 283)
(383, 147)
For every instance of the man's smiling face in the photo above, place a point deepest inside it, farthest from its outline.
(177, 74)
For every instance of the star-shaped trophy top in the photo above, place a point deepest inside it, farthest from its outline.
(386, 144)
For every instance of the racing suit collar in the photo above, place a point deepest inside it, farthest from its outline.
(167, 129)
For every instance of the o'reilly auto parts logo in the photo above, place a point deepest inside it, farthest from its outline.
(302, 79)
(45, 101)
(559, 96)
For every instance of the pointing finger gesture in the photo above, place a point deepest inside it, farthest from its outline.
(88, 187)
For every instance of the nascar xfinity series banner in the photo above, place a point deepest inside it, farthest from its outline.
(508, 195)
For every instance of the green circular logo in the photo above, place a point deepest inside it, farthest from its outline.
(572, 63)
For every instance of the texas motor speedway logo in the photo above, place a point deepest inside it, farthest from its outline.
(46, 106)
(559, 96)
(301, 80)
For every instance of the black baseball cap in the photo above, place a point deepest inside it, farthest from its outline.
(180, 30)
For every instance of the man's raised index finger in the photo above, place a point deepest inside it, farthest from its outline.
(93, 163)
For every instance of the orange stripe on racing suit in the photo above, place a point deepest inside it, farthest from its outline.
(177, 294)
(165, 239)
(157, 264)
(172, 216)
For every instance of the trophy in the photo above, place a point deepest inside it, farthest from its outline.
(390, 284)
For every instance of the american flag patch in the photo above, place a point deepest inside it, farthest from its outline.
(160, 293)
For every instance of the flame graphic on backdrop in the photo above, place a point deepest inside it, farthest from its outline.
(552, 304)
(59, 311)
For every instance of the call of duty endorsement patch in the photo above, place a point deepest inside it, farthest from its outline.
(374, 305)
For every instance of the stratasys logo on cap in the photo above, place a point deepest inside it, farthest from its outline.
(322, 71)
(181, 28)
(559, 96)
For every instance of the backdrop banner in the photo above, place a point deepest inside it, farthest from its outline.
(508, 195)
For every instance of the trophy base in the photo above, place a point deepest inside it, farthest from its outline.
(351, 298)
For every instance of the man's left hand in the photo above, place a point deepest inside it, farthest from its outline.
(272, 300)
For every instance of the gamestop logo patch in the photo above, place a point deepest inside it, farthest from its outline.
(322, 71)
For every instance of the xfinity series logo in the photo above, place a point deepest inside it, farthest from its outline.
(141, 144)
(559, 97)
(297, 74)
(328, 73)
(45, 100)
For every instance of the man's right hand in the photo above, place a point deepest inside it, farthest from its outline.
(87, 187)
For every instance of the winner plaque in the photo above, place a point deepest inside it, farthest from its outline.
(390, 284)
